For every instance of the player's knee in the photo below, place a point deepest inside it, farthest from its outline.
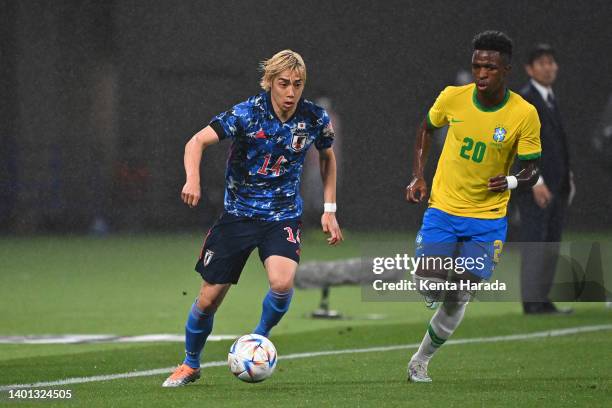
(429, 282)
(281, 273)
(207, 306)
(281, 285)
(211, 296)
(281, 282)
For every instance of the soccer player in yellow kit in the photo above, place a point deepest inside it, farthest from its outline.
(488, 126)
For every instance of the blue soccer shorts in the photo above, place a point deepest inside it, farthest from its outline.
(231, 240)
(475, 244)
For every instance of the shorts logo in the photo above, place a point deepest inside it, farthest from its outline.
(499, 134)
(419, 241)
(208, 257)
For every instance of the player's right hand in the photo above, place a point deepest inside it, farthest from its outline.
(191, 193)
(330, 226)
(416, 191)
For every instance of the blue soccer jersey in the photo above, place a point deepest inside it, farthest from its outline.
(265, 162)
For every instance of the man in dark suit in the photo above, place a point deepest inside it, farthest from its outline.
(543, 209)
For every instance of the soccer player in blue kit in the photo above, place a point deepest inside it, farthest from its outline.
(271, 134)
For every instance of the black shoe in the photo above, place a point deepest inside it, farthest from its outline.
(540, 308)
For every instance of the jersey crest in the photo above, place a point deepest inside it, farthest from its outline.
(499, 134)
(298, 141)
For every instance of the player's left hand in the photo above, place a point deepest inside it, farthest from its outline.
(330, 226)
(498, 184)
(416, 191)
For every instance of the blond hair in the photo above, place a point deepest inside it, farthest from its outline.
(281, 61)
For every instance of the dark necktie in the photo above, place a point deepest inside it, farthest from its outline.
(550, 101)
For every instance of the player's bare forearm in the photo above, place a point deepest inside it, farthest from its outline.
(194, 148)
(329, 223)
(525, 178)
(192, 159)
(416, 191)
(421, 149)
(529, 173)
(327, 166)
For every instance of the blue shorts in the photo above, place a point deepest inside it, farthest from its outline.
(474, 243)
(231, 240)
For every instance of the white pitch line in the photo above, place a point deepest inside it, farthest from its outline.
(158, 371)
(105, 338)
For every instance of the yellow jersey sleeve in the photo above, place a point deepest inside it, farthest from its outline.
(529, 138)
(436, 117)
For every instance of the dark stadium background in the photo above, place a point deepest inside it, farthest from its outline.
(99, 98)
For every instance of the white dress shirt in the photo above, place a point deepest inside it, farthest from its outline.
(544, 91)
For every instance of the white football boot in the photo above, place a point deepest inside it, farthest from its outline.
(417, 371)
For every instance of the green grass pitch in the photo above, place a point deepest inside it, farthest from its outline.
(130, 285)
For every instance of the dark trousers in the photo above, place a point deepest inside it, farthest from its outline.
(539, 261)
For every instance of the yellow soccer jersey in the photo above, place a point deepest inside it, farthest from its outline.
(481, 143)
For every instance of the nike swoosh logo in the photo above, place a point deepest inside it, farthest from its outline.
(456, 121)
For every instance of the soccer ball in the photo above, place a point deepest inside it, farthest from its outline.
(252, 358)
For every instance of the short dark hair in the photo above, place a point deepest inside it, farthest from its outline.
(491, 40)
(539, 50)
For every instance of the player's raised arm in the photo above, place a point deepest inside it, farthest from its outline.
(191, 192)
(416, 191)
(526, 177)
(327, 164)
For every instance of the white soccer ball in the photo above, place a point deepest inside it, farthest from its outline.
(252, 358)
